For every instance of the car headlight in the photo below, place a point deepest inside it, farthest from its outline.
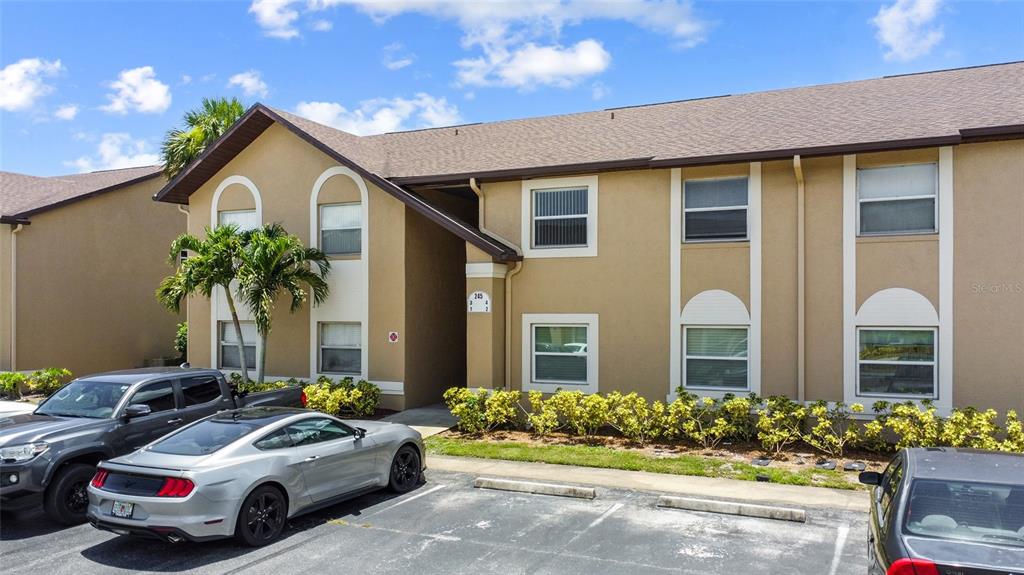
(17, 453)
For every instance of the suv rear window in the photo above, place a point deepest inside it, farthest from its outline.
(205, 437)
(966, 510)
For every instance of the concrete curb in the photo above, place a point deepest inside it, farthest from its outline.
(733, 508)
(535, 488)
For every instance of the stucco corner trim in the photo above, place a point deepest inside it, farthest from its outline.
(486, 270)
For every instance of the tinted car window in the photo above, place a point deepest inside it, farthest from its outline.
(204, 437)
(158, 396)
(84, 399)
(199, 390)
(275, 440)
(966, 510)
(317, 430)
(891, 484)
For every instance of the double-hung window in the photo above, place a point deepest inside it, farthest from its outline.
(560, 217)
(341, 348)
(898, 199)
(560, 352)
(715, 210)
(716, 358)
(341, 229)
(896, 361)
(244, 219)
(229, 345)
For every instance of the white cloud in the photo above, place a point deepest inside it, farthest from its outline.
(115, 151)
(186, 79)
(21, 83)
(322, 25)
(906, 30)
(395, 57)
(138, 90)
(276, 17)
(383, 115)
(250, 83)
(66, 112)
(530, 66)
(599, 91)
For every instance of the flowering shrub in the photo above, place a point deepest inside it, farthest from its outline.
(12, 383)
(49, 380)
(913, 425)
(1014, 434)
(780, 423)
(543, 418)
(501, 408)
(344, 397)
(634, 418)
(833, 429)
(969, 427)
(468, 407)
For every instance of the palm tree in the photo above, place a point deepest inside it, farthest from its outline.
(214, 262)
(203, 126)
(272, 261)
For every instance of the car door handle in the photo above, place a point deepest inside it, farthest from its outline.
(312, 458)
(175, 421)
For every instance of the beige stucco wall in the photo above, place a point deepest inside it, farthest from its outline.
(988, 282)
(627, 285)
(778, 279)
(87, 273)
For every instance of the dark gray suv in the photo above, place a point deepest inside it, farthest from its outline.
(50, 455)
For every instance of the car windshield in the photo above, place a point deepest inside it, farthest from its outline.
(966, 510)
(87, 398)
(205, 437)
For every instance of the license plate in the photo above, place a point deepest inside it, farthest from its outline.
(122, 509)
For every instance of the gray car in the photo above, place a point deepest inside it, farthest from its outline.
(245, 472)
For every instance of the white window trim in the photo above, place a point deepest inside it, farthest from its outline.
(321, 347)
(746, 209)
(934, 197)
(528, 187)
(322, 229)
(901, 396)
(590, 321)
(717, 390)
(220, 343)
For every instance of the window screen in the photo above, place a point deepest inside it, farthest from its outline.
(341, 348)
(715, 209)
(229, 345)
(897, 199)
(896, 362)
(716, 357)
(560, 353)
(341, 229)
(560, 217)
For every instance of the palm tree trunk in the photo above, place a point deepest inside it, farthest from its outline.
(263, 358)
(238, 334)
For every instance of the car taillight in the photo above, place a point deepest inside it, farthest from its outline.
(303, 399)
(100, 478)
(175, 487)
(912, 567)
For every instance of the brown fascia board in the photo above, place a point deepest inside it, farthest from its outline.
(14, 220)
(524, 173)
(249, 127)
(23, 217)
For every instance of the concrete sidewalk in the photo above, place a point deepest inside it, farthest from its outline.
(428, 420)
(731, 489)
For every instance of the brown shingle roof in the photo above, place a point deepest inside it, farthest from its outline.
(22, 196)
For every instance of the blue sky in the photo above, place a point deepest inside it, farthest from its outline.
(94, 85)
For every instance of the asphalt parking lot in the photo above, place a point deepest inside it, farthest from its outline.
(447, 526)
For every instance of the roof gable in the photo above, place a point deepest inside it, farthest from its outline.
(23, 196)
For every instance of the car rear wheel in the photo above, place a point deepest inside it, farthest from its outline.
(405, 470)
(67, 500)
(262, 517)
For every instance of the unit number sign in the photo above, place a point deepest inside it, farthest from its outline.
(479, 302)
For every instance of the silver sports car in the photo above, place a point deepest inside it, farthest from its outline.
(244, 472)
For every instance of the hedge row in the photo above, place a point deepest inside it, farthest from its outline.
(345, 396)
(43, 381)
(776, 422)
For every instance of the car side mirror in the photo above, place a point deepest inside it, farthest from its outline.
(137, 410)
(360, 433)
(870, 478)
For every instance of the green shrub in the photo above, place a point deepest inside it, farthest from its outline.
(678, 417)
(49, 380)
(12, 383)
(345, 397)
(736, 411)
(181, 340)
(583, 414)
(969, 427)
(468, 407)
(256, 387)
(501, 409)
(634, 417)
(1014, 440)
(543, 417)
(322, 397)
(708, 427)
(913, 425)
(779, 424)
(834, 427)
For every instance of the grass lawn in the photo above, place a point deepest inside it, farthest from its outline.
(610, 458)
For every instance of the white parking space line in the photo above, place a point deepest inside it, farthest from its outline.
(843, 531)
(596, 522)
(404, 501)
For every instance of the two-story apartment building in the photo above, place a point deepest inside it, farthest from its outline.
(854, 241)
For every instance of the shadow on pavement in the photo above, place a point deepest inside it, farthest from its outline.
(123, 552)
(26, 525)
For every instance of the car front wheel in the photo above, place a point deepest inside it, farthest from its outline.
(66, 499)
(262, 517)
(405, 470)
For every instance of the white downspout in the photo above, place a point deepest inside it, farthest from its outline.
(14, 296)
(801, 302)
(516, 268)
